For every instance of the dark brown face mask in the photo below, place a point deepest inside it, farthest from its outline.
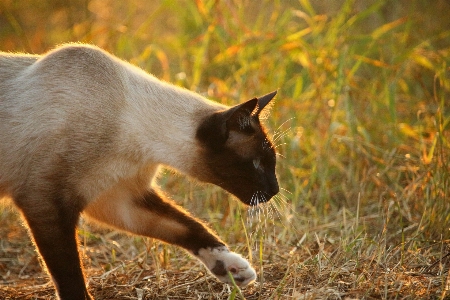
(238, 155)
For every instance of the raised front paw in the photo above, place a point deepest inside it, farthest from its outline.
(220, 261)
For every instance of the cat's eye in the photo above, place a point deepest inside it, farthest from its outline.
(256, 163)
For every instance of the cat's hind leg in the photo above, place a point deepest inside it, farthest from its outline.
(52, 219)
(152, 214)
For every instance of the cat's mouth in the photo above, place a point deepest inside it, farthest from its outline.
(261, 197)
(256, 195)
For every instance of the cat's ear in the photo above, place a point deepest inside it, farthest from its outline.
(263, 101)
(238, 117)
(215, 130)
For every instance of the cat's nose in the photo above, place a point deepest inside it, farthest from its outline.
(270, 189)
(274, 189)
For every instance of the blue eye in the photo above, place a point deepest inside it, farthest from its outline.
(256, 163)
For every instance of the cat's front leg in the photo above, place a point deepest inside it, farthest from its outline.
(219, 260)
(152, 214)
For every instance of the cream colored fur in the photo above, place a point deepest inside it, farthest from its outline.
(131, 117)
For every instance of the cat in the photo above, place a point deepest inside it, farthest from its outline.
(83, 132)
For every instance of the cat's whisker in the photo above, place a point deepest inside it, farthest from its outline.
(281, 134)
(279, 137)
(282, 201)
(282, 124)
(286, 214)
(280, 155)
(278, 145)
(253, 206)
(285, 190)
(274, 215)
(283, 204)
(277, 131)
(282, 196)
(277, 210)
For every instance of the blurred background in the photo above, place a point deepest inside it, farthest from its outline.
(362, 116)
(363, 85)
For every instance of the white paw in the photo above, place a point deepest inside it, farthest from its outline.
(220, 260)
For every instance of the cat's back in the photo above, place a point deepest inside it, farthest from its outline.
(12, 64)
(73, 78)
(78, 61)
(67, 67)
(67, 100)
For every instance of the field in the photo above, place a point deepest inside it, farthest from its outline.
(361, 123)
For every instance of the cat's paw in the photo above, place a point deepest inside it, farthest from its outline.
(220, 260)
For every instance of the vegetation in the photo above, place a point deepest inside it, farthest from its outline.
(361, 124)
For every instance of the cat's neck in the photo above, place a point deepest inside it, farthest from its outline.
(161, 120)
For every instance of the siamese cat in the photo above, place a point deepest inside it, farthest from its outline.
(84, 132)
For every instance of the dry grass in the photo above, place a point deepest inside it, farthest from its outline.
(361, 122)
(349, 265)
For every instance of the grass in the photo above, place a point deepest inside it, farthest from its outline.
(361, 121)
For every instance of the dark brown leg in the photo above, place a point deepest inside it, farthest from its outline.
(52, 222)
(153, 215)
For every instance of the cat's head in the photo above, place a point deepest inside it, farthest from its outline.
(236, 153)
